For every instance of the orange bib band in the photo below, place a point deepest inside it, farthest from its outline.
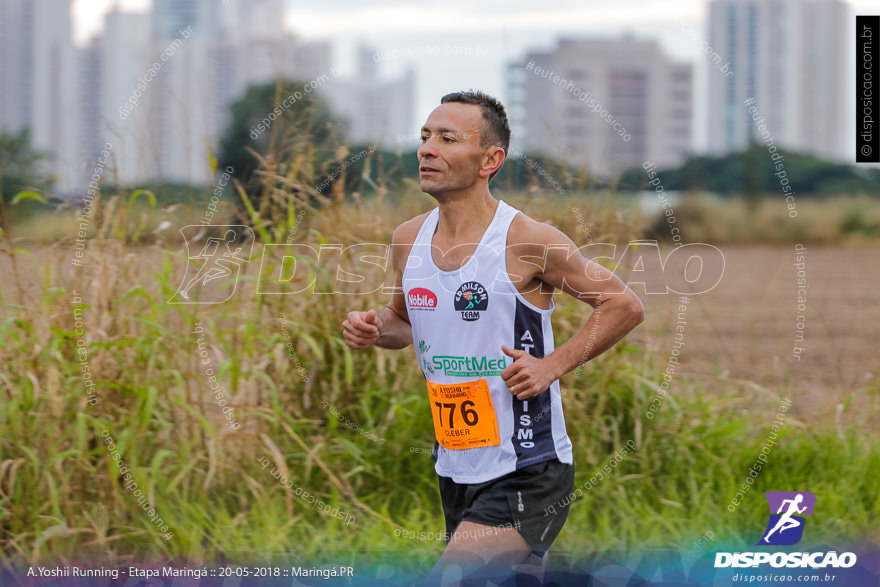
(464, 416)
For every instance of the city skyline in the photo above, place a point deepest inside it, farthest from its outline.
(158, 86)
(499, 32)
(450, 59)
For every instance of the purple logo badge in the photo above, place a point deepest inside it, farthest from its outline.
(787, 508)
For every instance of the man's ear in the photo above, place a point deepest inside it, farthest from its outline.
(492, 160)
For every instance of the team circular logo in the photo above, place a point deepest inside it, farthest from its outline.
(471, 299)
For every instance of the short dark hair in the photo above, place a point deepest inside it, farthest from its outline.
(495, 129)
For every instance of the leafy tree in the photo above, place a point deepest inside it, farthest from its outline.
(755, 172)
(281, 146)
(275, 124)
(21, 167)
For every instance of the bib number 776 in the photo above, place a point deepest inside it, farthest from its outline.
(464, 416)
(468, 414)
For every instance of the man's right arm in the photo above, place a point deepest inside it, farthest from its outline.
(389, 329)
(364, 329)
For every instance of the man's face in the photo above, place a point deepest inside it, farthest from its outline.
(450, 156)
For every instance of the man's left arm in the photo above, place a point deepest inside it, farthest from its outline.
(617, 310)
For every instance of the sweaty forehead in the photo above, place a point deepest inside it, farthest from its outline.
(455, 117)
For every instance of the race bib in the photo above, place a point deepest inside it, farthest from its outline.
(464, 416)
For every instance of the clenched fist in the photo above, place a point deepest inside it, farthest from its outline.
(362, 329)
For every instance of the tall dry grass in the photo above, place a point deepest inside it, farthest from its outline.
(349, 428)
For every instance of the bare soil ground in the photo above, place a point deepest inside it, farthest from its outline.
(745, 328)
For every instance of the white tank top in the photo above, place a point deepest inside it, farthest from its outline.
(459, 320)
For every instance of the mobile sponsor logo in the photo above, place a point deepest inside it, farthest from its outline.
(420, 298)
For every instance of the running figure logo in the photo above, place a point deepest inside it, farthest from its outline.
(471, 299)
(786, 525)
(212, 275)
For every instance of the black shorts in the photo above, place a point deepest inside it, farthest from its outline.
(534, 500)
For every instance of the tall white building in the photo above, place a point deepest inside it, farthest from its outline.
(55, 124)
(181, 97)
(125, 56)
(16, 64)
(172, 16)
(38, 65)
(88, 91)
(378, 110)
(603, 105)
(790, 56)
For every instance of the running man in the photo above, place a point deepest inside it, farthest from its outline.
(786, 522)
(475, 281)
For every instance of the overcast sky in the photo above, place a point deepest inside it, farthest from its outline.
(493, 32)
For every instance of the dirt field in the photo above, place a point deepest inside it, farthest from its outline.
(745, 328)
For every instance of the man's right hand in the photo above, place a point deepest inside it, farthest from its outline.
(362, 329)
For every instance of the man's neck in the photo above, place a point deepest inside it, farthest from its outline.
(464, 219)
